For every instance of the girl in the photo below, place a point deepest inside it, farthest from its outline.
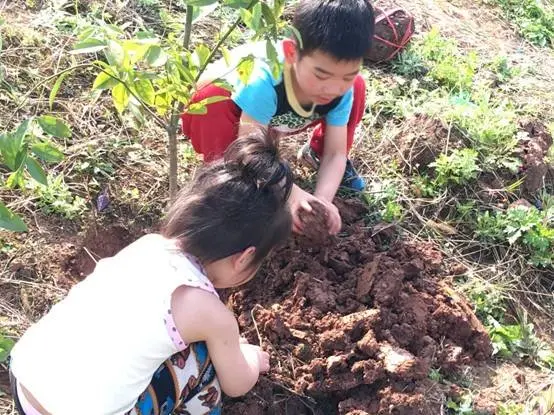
(146, 333)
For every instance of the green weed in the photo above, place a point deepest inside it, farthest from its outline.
(502, 69)
(489, 301)
(520, 341)
(57, 198)
(435, 375)
(440, 59)
(509, 409)
(463, 406)
(382, 197)
(6, 345)
(460, 167)
(526, 226)
(490, 126)
(534, 20)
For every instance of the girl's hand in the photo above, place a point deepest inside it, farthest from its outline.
(255, 355)
(263, 358)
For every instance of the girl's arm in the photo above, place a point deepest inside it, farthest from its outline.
(200, 316)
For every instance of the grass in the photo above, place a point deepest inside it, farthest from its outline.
(534, 19)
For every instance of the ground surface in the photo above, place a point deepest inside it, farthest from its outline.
(371, 321)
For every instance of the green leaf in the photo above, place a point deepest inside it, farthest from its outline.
(247, 17)
(268, 14)
(256, 16)
(136, 50)
(274, 63)
(88, 46)
(104, 81)
(214, 99)
(21, 132)
(56, 88)
(36, 171)
(202, 52)
(120, 96)
(200, 13)
(197, 109)
(54, 126)
(115, 53)
(237, 4)
(15, 180)
(47, 152)
(12, 143)
(145, 91)
(245, 68)
(6, 344)
(155, 56)
(199, 3)
(200, 107)
(226, 55)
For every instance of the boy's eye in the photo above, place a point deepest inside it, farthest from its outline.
(321, 77)
(349, 79)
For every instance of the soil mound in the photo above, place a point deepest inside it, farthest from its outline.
(353, 328)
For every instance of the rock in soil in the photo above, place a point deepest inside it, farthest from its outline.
(352, 328)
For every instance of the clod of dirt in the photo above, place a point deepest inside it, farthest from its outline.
(360, 337)
(534, 152)
(315, 223)
(421, 140)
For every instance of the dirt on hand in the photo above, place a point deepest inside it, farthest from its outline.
(352, 329)
(315, 223)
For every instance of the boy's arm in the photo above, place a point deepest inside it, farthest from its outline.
(333, 163)
(331, 171)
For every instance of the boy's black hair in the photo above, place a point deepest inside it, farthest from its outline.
(342, 28)
(235, 203)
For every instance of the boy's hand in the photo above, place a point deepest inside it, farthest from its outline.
(334, 220)
(300, 199)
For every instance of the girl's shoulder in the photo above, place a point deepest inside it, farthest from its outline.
(198, 312)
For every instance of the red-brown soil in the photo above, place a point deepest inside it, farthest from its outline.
(352, 328)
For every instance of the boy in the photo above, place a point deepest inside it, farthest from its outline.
(320, 86)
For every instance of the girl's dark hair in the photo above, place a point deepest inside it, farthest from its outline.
(342, 28)
(235, 203)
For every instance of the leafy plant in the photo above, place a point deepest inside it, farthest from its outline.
(446, 64)
(409, 63)
(150, 77)
(526, 226)
(460, 167)
(57, 198)
(520, 341)
(435, 375)
(24, 151)
(382, 197)
(509, 409)
(488, 301)
(535, 21)
(463, 406)
(490, 126)
(6, 345)
(502, 69)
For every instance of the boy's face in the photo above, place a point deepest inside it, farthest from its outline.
(320, 77)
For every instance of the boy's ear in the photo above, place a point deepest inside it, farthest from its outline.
(290, 51)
